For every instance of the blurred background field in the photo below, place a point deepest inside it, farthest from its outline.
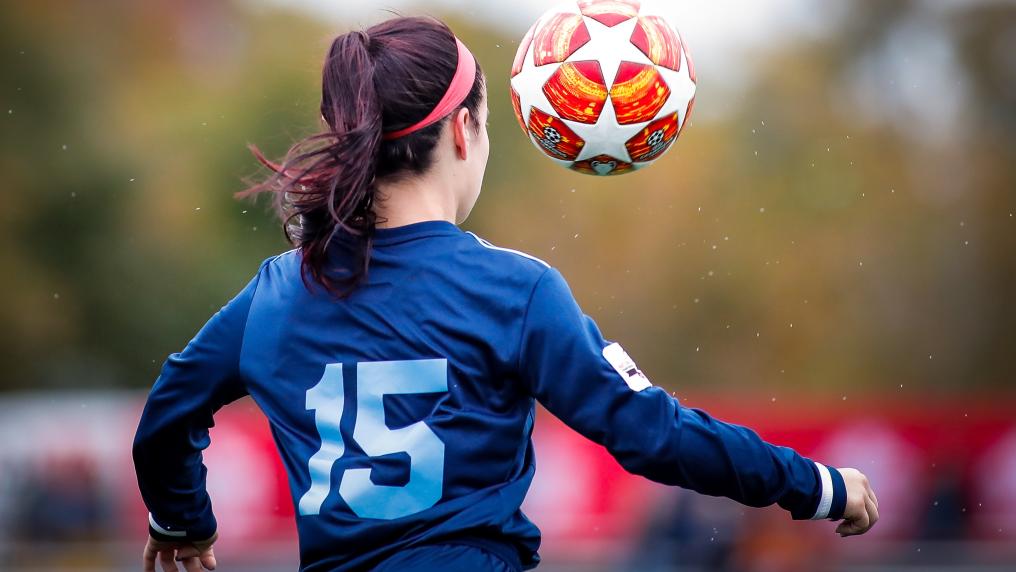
(827, 254)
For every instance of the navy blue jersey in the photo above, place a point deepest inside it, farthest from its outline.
(403, 414)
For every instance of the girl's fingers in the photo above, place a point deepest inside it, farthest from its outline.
(872, 508)
(208, 559)
(166, 558)
(186, 552)
(855, 526)
(148, 559)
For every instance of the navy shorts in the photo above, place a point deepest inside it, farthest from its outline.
(448, 558)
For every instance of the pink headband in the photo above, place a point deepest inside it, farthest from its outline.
(458, 89)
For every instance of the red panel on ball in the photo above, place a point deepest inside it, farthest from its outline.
(638, 93)
(654, 139)
(602, 165)
(559, 37)
(520, 55)
(517, 106)
(554, 137)
(609, 12)
(658, 41)
(577, 91)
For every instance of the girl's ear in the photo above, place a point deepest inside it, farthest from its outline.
(460, 133)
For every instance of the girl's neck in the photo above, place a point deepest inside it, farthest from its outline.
(414, 199)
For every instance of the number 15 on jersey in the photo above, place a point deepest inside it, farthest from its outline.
(426, 451)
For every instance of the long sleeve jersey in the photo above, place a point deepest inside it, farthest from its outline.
(403, 413)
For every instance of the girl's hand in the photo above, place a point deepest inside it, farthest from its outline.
(193, 555)
(861, 512)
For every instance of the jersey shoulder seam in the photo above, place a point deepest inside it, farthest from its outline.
(487, 244)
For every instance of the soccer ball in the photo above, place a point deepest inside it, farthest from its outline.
(603, 87)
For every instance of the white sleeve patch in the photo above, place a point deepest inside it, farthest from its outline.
(625, 367)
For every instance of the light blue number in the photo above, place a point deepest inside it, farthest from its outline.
(326, 399)
(426, 451)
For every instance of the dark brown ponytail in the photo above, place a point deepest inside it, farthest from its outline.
(381, 79)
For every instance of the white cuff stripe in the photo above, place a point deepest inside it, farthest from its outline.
(160, 530)
(826, 502)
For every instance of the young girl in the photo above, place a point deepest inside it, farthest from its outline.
(399, 359)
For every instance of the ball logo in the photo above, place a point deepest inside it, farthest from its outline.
(655, 140)
(550, 139)
(603, 87)
(604, 167)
